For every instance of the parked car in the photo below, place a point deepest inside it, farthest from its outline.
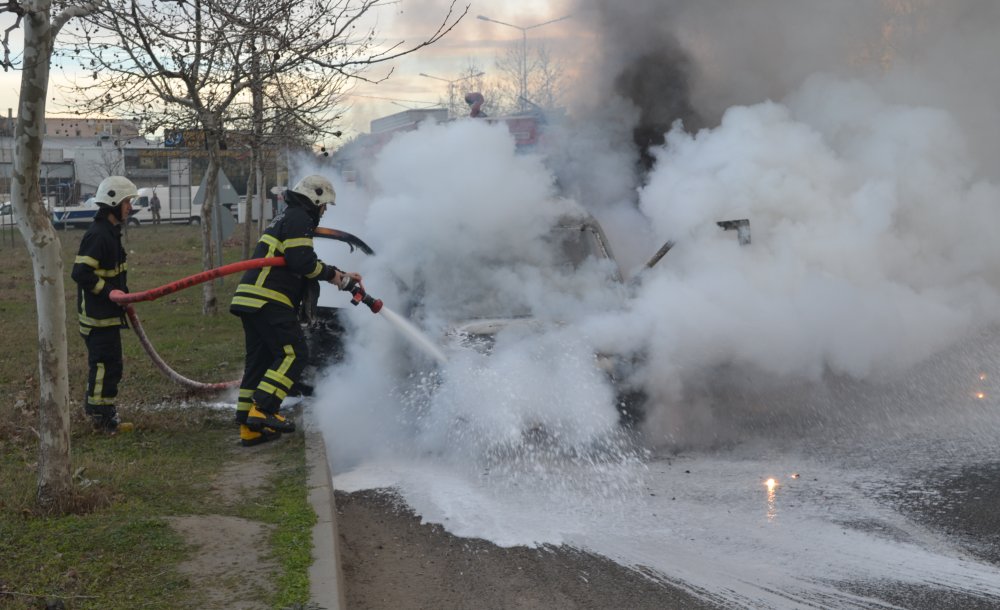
(64, 217)
(7, 214)
(578, 241)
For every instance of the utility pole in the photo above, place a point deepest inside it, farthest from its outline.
(523, 96)
(451, 85)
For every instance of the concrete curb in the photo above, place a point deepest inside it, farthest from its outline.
(326, 588)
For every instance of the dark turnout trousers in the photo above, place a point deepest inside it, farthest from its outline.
(104, 357)
(276, 355)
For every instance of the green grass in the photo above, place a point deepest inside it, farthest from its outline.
(113, 548)
(289, 511)
(203, 348)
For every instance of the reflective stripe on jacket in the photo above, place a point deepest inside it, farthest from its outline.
(98, 269)
(290, 235)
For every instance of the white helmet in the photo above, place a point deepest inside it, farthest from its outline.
(317, 190)
(113, 190)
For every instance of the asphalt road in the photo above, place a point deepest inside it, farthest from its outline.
(834, 494)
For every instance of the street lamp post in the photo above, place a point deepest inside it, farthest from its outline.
(451, 85)
(523, 96)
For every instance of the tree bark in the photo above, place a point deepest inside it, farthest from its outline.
(54, 473)
(259, 176)
(211, 125)
(257, 133)
(248, 206)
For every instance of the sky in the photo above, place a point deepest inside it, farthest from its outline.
(410, 21)
(742, 53)
(473, 41)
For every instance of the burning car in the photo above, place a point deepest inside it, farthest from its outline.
(520, 295)
(487, 302)
(580, 250)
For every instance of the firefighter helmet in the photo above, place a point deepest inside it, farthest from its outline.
(317, 190)
(113, 190)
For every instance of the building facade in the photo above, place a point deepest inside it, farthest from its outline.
(77, 153)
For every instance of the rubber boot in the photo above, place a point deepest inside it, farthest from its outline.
(249, 438)
(106, 424)
(258, 420)
(103, 417)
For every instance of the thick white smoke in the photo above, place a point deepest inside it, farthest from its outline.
(872, 243)
(459, 221)
(870, 200)
(871, 250)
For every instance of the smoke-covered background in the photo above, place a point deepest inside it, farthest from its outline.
(860, 141)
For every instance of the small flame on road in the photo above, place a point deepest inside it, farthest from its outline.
(772, 509)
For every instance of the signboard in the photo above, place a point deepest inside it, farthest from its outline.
(184, 138)
(173, 138)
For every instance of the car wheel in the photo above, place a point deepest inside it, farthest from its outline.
(194, 221)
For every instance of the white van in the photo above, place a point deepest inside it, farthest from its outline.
(177, 210)
(170, 211)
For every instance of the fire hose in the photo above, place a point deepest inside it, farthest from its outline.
(125, 299)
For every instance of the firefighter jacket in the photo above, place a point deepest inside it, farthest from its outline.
(290, 235)
(98, 269)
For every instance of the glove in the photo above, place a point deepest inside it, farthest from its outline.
(351, 282)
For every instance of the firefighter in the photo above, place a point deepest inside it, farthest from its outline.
(267, 302)
(98, 269)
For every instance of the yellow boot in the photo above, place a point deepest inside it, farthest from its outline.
(249, 438)
(258, 420)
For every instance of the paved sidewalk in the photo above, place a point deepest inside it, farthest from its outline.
(325, 577)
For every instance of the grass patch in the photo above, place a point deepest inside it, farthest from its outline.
(287, 508)
(204, 348)
(103, 557)
(113, 549)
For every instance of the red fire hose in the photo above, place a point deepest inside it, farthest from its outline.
(126, 300)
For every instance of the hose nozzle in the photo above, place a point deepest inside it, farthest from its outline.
(358, 295)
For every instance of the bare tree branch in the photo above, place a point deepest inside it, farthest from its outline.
(13, 6)
(272, 67)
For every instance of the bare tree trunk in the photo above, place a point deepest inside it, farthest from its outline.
(54, 473)
(261, 223)
(277, 176)
(248, 205)
(259, 172)
(257, 98)
(210, 305)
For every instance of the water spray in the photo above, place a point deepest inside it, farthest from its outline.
(415, 336)
(407, 329)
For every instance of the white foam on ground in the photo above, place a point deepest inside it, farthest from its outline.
(706, 522)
